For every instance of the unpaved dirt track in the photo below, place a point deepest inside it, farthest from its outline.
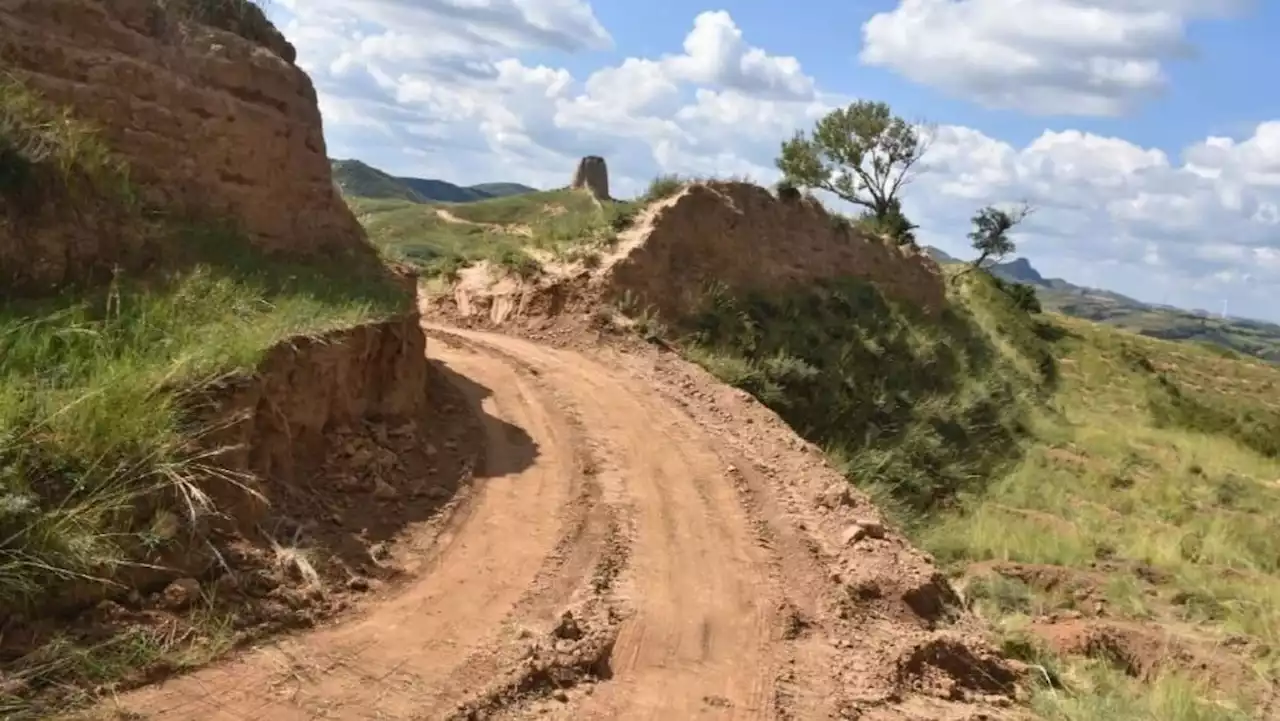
(617, 503)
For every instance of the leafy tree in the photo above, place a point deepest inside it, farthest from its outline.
(863, 154)
(990, 234)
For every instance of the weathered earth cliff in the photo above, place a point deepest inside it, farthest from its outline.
(215, 124)
(212, 125)
(741, 236)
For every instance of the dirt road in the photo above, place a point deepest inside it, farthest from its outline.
(674, 519)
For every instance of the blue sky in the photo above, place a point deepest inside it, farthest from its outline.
(1145, 131)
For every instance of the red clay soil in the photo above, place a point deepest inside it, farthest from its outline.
(640, 542)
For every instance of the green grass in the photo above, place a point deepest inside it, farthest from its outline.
(567, 224)
(92, 426)
(46, 155)
(94, 441)
(662, 187)
(527, 208)
(991, 434)
(77, 672)
(922, 411)
(245, 18)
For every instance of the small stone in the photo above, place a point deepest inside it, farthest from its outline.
(181, 594)
(359, 583)
(560, 696)
(873, 529)
(835, 496)
(859, 531)
(383, 490)
(430, 450)
(568, 628)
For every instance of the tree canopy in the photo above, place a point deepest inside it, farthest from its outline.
(863, 154)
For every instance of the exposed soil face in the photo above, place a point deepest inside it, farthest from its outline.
(1085, 624)
(742, 237)
(211, 124)
(639, 542)
(736, 235)
(319, 545)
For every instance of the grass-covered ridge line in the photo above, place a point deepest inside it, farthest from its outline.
(245, 18)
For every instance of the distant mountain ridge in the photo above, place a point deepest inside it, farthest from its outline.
(359, 179)
(1250, 337)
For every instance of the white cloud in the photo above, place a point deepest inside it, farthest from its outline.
(1068, 57)
(1191, 229)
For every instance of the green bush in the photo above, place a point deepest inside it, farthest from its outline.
(663, 186)
(1023, 295)
(918, 408)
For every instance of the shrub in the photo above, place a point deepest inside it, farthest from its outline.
(663, 186)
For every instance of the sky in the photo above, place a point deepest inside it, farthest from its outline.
(1131, 126)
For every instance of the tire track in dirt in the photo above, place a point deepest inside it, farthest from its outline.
(680, 536)
(396, 661)
(700, 639)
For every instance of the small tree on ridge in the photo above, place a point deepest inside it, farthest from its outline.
(990, 234)
(862, 154)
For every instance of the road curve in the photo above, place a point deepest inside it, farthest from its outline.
(602, 471)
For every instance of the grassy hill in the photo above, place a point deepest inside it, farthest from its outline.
(441, 239)
(360, 180)
(1242, 336)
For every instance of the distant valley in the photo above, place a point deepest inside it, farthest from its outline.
(1241, 335)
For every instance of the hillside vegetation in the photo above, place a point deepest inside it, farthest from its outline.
(103, 475)
(1105, 500)
(518, 232)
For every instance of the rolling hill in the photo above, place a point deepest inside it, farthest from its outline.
(1239, 335)
(358, 179)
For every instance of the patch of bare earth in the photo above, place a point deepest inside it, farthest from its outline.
(511, 228)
